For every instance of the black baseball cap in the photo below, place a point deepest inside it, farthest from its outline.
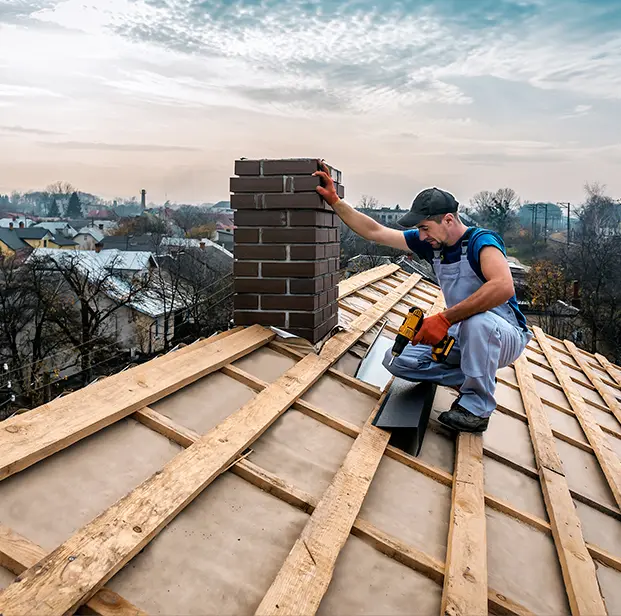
(429, 202)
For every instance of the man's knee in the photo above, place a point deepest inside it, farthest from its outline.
(477, 325)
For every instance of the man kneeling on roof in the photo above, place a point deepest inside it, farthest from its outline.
(482, 313)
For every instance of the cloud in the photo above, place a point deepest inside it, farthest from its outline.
(121, 147)
(13, 90)
(20, 130)
(578, 112)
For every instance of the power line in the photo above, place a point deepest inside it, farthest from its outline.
(67, 350)
(79, 372)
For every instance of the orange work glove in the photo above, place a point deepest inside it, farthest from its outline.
(433, 330)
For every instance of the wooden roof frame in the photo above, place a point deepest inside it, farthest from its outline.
(59, 582)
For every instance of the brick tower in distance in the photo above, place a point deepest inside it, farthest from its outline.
(287, 247)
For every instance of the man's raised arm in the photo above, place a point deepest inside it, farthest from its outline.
(358, 222)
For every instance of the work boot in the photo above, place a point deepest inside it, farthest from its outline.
(462, 420)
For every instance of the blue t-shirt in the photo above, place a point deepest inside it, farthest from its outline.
(478, 239)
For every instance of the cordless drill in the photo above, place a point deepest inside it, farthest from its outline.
(411, 324)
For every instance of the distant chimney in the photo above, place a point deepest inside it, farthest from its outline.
(98, 247)
(143, 199)
(10, 225)
(202, 245)
(101, 226)
(21, 225)
(286, 247)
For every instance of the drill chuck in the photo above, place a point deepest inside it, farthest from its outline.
(398, 347)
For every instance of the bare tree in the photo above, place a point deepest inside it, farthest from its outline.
(368, 202)
(30, 339)
(496, 210)
(592, 259)
(60, 189)
(92, 293)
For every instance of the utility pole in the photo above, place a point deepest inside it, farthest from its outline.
(568, 205)
(545, 226)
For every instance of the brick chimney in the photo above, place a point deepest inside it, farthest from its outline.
(287, 246)
(21, 224)
(10, 225)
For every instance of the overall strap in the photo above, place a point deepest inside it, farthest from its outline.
(464, 242)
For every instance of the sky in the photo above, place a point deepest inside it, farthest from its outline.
(468, 95)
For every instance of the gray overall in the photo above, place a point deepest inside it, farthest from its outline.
(483, 343)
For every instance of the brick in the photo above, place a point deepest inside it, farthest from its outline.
(306, 319)
(301, 183)
(310, 285)
(245, 268)
(296, 269)
(284, 201)
(253, 252)
(260, 285)
(292, 166)
(245, 236)
(261, 218)
(245, 202)
(307, 251)
(332, 250)
(277, 319)
(333, 234)
(333, 295)
(308, 303)
(340, 190)
(254, 184)
(299, 235)
(247, 167)
(324, 328)
(246, 301)
(333, 265)
(311, 218)
(310, 334)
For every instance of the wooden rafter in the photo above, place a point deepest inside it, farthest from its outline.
(612, 371)
(29, 438)
(576, 564)
(608, 459)
(351, 285)
(17, 553)
(465, 583)
(613, 404)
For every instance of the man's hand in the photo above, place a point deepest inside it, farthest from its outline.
(327, 189)
(433, 330)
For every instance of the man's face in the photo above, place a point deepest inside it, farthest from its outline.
(435, 233)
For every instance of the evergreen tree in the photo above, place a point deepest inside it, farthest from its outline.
(53, 210)
(74, 209)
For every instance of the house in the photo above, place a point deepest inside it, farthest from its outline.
(385, 215)
(58, 228)
(40, 237)
(225, 239)
(88, 238)
(10, 243)
(106, 226)
(143, 322)
(16, 221)
(146, 241)
(102, 214)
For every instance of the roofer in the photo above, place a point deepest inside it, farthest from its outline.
(482, 313)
